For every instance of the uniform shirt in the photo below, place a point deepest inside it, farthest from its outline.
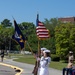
(71, 58)
(45, 61)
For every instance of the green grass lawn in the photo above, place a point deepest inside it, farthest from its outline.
(31, 60)
(58, 65)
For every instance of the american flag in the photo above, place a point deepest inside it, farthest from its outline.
(41, 31)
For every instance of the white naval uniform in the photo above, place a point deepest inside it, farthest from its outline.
(44, 63)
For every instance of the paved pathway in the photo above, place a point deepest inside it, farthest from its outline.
(26, 69)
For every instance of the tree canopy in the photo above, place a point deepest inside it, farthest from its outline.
(6, 23)
(64, 36)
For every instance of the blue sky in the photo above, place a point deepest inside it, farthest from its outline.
(26, 10)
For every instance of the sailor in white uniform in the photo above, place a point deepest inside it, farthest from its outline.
(44, 63)
(38, 59)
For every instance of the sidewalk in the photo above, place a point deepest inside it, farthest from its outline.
(27, 68)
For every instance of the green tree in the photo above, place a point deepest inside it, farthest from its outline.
(64, 36)
(5, 36)
(6, 23)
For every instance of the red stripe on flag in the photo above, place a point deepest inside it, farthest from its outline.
(41, 31)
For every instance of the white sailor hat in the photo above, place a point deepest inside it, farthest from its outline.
(70, 52)
(48, 51)
(42, 49)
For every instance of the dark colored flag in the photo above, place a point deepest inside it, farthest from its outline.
(18, 36)
(41, 31)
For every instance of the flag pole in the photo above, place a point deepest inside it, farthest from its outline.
(13, 18)
(38, 48)
(29, 47)
(38, 38)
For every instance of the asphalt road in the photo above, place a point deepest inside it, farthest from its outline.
(4, 70)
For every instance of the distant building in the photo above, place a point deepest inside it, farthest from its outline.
(67, 19)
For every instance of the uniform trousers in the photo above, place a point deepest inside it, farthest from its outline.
(68, 71)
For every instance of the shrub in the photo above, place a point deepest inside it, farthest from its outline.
(55, 58)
